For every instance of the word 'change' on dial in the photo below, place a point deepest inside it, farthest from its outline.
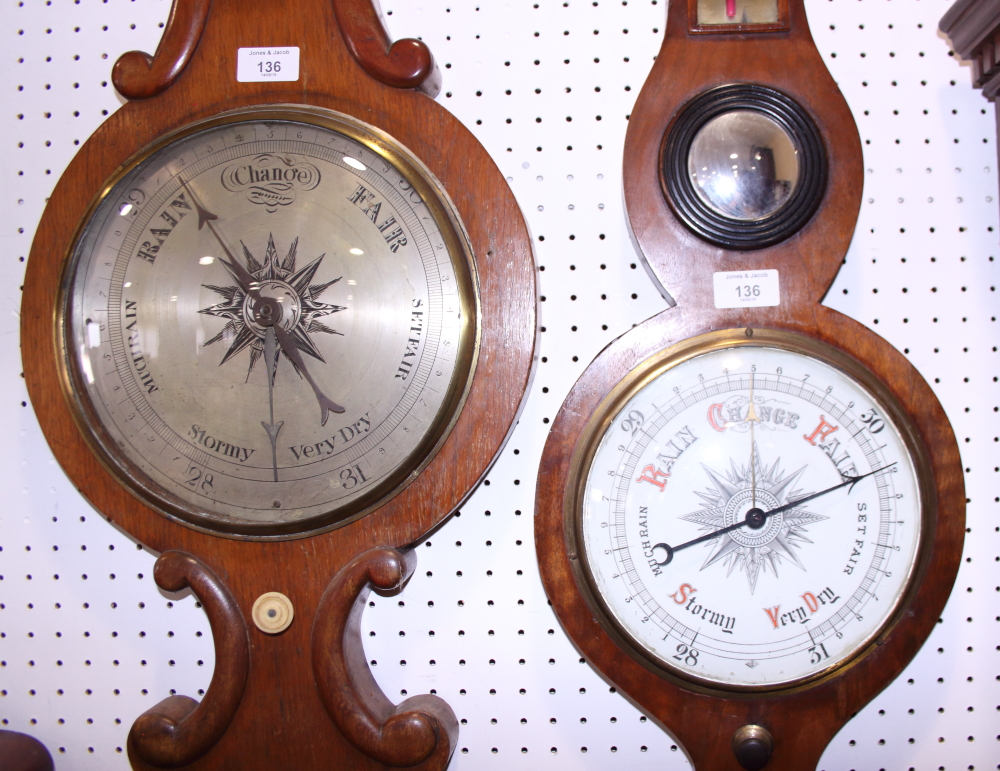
(750, 517)
(271, 322)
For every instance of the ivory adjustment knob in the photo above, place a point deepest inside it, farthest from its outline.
(272, 612)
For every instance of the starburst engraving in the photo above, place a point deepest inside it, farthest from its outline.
(727, 501)
(292, 287)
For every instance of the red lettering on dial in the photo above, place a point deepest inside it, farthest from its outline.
(652, 475)
(715, 418)
(822, 431)
(684, 591)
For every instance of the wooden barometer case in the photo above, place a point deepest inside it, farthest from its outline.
(278, 321)
(750, 508)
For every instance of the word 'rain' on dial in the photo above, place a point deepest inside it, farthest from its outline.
(271, 322)
(751, 517)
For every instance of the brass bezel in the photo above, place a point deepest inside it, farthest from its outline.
(459, 247)
(647, 371)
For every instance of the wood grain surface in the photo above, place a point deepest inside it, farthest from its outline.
(20, 752)
(281, 721)
(406, 63)
(420, 732)
(137, 75)
(802, 719)
(686, 66)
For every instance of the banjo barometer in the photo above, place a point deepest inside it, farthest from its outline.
(278, 322)
(750, 508)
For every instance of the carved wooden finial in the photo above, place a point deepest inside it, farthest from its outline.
(420, 730)
(407, 63)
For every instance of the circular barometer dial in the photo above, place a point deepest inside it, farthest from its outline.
(269, 322)
(749, 512)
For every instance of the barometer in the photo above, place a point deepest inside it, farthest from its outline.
(749, 513)
(750, 508)
(278, 322)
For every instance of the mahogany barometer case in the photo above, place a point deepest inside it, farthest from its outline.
(275, 329)
(750, 508)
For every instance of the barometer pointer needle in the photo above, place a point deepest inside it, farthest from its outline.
(272, 428)
(248, 285)
(751, 419)
(326, 405)
(760, 517)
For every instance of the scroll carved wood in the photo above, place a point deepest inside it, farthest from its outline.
(137, 75)
(407, 63)
(179, 730)
(421, 731)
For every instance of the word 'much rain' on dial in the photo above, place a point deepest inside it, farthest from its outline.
(751, 516)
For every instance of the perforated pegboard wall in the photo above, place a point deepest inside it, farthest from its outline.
(87, 641)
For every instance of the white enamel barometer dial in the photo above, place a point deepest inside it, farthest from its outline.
(270, 322)
(751, 515)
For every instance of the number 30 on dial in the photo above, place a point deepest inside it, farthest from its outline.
(750, 513)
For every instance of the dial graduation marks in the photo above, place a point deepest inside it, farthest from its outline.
(750, 517)
(281, 238)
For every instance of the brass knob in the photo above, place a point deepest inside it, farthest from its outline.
(272, 612)
(752, 746)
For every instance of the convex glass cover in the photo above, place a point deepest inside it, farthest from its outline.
(750, 515)
(270, 322)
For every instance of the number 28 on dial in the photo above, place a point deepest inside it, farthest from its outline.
(750, 510)
(270, 322)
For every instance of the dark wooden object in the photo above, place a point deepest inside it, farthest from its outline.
(137, 75)
(346, 65)
(419, 733)
(179, 730)
(704, 720)
(407, 63)
(973, 29)
(681, 263)
(20, 752)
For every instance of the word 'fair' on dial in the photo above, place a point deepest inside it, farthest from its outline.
(271, 322)
(750, 517)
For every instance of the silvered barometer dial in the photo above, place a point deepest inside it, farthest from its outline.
(270, 322)
(750, 513)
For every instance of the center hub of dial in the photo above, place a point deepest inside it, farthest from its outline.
(275, 303)
(741, 505)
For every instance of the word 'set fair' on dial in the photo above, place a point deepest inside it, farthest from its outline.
(750, 517)
(271, 322)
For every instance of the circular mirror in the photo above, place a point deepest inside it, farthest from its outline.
(744, 165)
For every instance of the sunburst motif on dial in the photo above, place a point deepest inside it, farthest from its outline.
(293, 289)
(211, 304)
(727, 502)
(755, 459)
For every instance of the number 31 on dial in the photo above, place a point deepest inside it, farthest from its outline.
(751, 513)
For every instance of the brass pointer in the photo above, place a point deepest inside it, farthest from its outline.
(751, 419)
(265, 311)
